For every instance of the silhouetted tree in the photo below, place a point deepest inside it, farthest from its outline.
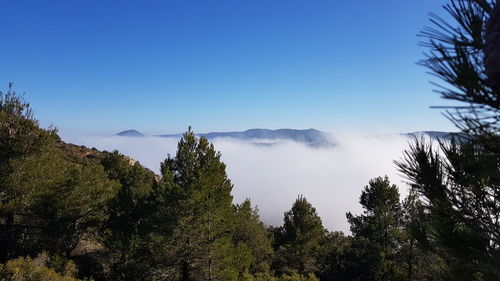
(460, 181)
(419, 262)
(492, 50)
(461, 194)
(456, 57)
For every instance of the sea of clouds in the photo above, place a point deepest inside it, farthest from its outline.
(272, 176)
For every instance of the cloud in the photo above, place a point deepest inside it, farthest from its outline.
(272, 176)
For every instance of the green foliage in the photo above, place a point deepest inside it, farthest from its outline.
(46, 201)
(251, 233)
(20, 138)
(37, 269)
(19, 132)
(298, 277)
(377, 233)
(285, 277)
(128, 223)
(201, 205)
(461, 199)
(418, 261)
(119, 221)
(332, 256)
(299, 239)
(113, 217)
(61, 200)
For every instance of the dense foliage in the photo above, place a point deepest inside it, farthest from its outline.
(101, 215)
(72, 213)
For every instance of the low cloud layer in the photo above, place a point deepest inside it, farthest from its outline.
(273, 176)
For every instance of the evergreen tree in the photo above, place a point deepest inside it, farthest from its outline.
(456, 56)
(460, 191)
(62, 203)
(46, 201)
(492, 50)
(299, 239)
(128, 225)
(201, 204)
(20, 137)
(332, 257)
(251, 233)
(419, 262)
(460, 185)
(377, 233)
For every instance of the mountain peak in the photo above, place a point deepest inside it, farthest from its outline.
(310, 137)
(130, 133)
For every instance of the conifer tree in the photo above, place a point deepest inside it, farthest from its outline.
(456, 56)
(418, 261)
(332, 258)
(460, 182)
(47, 201)
(20, 137)
(128, 224)
(251, 233)
(377, 233)
(201, 204)
(299, 239)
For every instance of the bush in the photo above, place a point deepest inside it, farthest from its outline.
(298, 277)
(37, 269)
(284, 277)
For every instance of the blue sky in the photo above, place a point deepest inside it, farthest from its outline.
(219, 65)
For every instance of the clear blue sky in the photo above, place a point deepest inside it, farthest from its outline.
(159, 66)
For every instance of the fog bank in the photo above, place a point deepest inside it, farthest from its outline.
(272, 176)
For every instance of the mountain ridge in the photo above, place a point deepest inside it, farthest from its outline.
(260, 136)
(311, 137)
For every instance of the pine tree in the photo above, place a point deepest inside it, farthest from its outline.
(128, 225)
(456, 56)
(332, 257)
(492, 50)
(20, 137)
(377, 233)
(460, 182)
(418, 261)
(299, 238)
(460, 192)
(201, 204)
(251, 233)
(48, 202)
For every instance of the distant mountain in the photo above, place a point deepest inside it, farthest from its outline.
(130, 133)
(311, 137)
(267, 137)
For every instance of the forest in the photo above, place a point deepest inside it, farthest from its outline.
(69, 212)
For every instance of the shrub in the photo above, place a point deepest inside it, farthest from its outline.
(37, 269)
